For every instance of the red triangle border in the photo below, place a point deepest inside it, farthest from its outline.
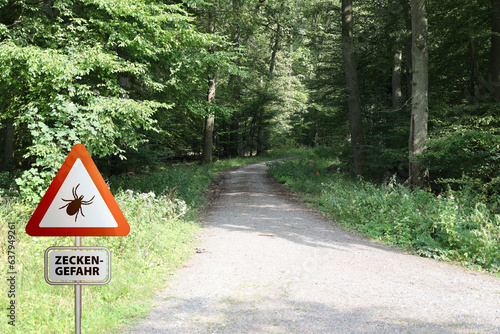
(77, 152)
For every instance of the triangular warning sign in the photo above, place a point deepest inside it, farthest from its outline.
(78, 202)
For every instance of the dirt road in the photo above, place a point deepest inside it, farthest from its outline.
(269, 265)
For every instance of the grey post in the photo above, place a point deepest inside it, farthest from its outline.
(78, 298)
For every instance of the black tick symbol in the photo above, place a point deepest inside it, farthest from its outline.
(75, 205)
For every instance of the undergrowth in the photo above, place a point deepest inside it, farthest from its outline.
(160, 240)
(454, 225)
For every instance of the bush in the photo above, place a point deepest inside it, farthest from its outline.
(465, 151)
(185, 182)
(300, 174)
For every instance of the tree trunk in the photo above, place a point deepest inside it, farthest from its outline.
(495, 50)
(476, 81)
(419, 111)
(260, 140)
(276, 46)
(235, 84)
(397, 95)
(397, 91)
(275, 50)
(234, 137)
(208, 132)
(408, 72)
(351, 75)
(408, 47)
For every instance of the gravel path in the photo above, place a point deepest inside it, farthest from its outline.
(267, 264)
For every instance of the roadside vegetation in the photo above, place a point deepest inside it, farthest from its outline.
(162, 209)
(459, 225)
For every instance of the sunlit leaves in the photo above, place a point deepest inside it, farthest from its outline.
(94, 72)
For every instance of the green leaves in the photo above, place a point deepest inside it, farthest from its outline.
(464, 148)
(95, 72)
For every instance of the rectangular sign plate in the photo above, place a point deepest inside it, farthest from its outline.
(77, 265)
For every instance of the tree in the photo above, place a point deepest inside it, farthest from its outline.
(495, 50)
(420, 111)
(220, 60)
(351, 76)
(397, 91)
(90, 72)
(262, 96)
(208, 132)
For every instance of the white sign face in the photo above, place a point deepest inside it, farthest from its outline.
(78, 203)
(77, 265)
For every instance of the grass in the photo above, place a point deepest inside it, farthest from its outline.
(160, 240)
(454, 226)
(161, 209)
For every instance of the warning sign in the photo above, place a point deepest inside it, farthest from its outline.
(78, 202)
(84, 265)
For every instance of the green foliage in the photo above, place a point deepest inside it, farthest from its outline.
(288, 173)
(455, 225)
(7, 186)
(459, 42)
(311, 168)
(128, 79)
(455, 28)
(103, 73)
(124, 75)
(186, 182)
(464, 149)
(387, 148)
(183, 181)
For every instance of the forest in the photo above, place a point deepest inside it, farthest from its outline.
(393, 106)
(142, 82)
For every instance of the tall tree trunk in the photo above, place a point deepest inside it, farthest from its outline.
(208, 132)
(397, 91)
(351, 75)
(260, 139)
(275, 50)
(408, 52)
(476, 81)
(408, 72)
(234, 138)
(495, 50)
(478, 86)
(419, 111)
(235, 84)
(397, 94)
(276, 45)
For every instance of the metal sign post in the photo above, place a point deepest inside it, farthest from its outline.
(78, 265)
(78, 297)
